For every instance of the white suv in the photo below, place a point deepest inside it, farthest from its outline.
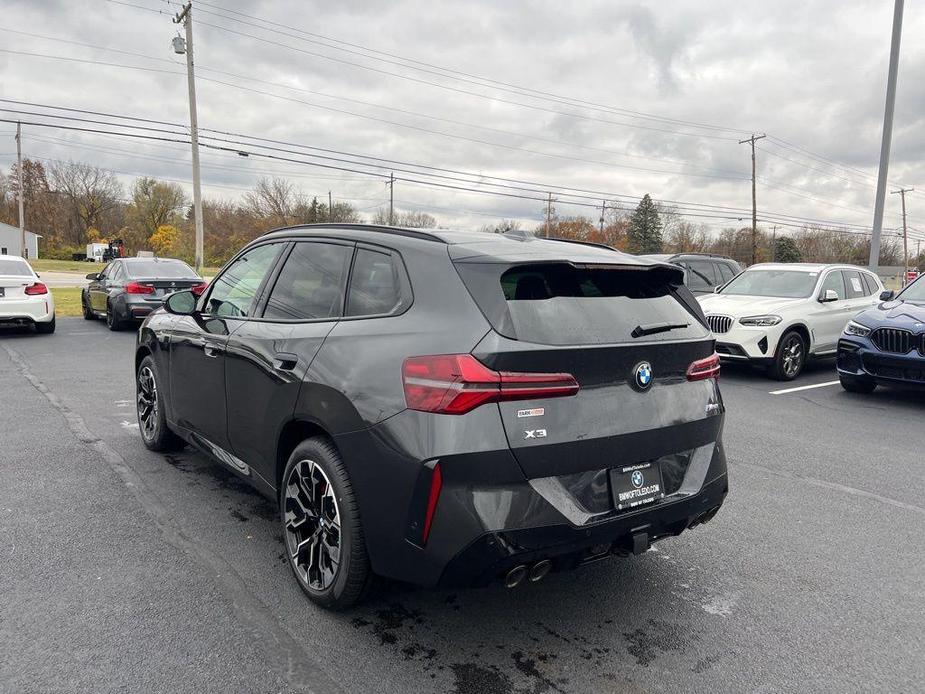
(778, 315)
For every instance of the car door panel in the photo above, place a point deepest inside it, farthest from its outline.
(97, 289)
(268, 357)
(829, 318)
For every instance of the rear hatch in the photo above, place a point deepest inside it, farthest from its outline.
(628, 333)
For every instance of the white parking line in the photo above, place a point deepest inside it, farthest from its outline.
(794, 390)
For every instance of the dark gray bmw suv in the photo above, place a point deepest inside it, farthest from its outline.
(444, 408)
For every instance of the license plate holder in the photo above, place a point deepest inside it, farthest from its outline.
(633, 486)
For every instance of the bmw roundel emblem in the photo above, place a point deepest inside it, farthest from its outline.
(643, 375)
(637, 479)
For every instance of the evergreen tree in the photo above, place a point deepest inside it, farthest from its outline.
(787, 251)
(644, 234)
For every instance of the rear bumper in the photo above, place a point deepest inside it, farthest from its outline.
(489, 518)
(494, 554)
(38, 309)
(859, 358)
(137, 307)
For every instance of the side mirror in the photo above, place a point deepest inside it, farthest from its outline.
(829, 296)
(181, 303)
(93, 276)
(887, 295)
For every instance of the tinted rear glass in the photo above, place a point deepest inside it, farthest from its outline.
(558, 304)
(15, 267)
(156, 269)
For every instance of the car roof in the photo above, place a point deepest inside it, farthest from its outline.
(475, 245)
(806, 267)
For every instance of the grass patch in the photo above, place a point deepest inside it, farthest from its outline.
(67, 301)
(48, 265)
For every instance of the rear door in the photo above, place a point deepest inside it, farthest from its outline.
(829, 318)
(98, 288)
(269, 354)
(635, 401)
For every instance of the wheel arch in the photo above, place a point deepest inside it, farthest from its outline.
(294, 432)
(804, 332)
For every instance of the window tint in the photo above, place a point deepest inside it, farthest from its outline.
(310, 285)
(700, 274)
(871, 282)
(10, 266)
(833, 281)
(854, 284)
(564, 305)
(233, 291)
(375, 284)
(160, 269)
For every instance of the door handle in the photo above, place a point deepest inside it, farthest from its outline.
(212, 350)
(284, 361)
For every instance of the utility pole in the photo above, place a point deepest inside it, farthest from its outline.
(902, 193)
(774, 243)
(391, 185)
(752, 141)
(603, 209)
(22, 192)
(186, 17)
(887, 140)
(548, 214)
(330, 207)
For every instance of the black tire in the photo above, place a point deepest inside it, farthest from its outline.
(857, 385)
(315, 485)
(46, 328)
(113, 321)
(790, 357)
(88, 312)
(149, 407)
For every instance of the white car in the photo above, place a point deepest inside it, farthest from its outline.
(778, 315)
(24, 300)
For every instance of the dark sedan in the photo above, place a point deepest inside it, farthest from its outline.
(128, 289)
(885, 345)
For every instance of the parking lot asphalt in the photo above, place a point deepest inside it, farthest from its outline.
(127, 570)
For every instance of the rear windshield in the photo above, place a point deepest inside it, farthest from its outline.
(10, 266)
(560, 304)
(787, 284)
(157, 269)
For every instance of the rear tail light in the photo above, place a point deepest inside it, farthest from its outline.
(704, 368)
(36, 289)
(458, 383)
(198, 289)
(138, 288)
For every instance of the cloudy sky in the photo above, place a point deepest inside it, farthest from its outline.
(613, 97)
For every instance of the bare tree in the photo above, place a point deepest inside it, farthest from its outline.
(275, 199)
(408, 218)
(91, 193)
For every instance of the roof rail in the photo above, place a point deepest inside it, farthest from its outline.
(376, 228)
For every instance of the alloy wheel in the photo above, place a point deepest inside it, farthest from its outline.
(313, 533)
(793, 355)
(147, 403)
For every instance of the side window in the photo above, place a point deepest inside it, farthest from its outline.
(311, 283)
(106, 272)
(375, 285)
(117, 275)
(833, 281)
(700, 274)
(871, 282)
(854, 284)
(725, 272)
(233, 292)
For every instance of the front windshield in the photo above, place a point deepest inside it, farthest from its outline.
(789, 284)
(915, 291)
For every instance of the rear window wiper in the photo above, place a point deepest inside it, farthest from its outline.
(653, 328)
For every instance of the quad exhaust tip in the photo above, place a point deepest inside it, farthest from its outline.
(539, 570)
(515, 576)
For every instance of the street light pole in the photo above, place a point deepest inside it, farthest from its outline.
(887, 140)
(186, 17)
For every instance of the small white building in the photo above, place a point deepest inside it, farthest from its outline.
(10, 241)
